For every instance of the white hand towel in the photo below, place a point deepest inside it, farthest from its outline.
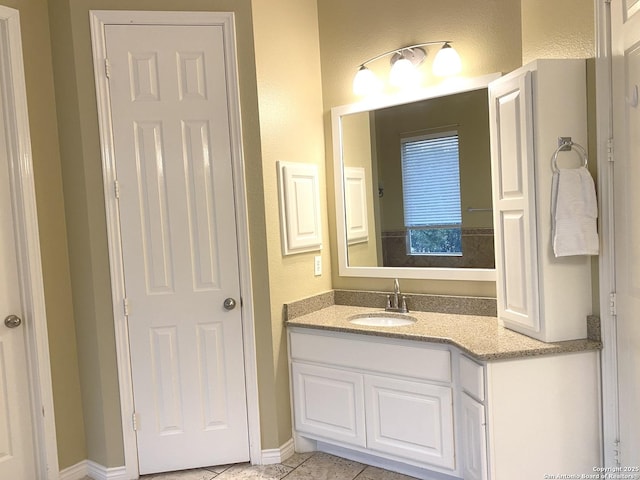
(574, 212)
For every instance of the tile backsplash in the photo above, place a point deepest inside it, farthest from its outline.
(415, 301)
(481, 306)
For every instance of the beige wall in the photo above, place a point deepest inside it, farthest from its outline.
(557, 29)
(486, 35)
(290, 104)
(68, 406)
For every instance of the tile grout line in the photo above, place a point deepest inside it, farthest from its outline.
(299, 465)
(207, 474)
(364, 467)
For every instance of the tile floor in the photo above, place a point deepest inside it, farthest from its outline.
(301, 466)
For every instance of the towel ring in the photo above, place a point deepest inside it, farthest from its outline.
(572, 145)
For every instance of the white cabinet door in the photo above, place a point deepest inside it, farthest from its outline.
(412, 420)
(510, 113)
(329, 403)
(474, 439)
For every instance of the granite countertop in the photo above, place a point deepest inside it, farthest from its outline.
(479, 336)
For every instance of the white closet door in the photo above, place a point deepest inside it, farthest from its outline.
(510, 113)
(173, 161)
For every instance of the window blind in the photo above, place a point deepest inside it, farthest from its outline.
(431, 180)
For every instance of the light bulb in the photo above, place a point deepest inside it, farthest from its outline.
(447, 62)
(403, 73)
(365, 82)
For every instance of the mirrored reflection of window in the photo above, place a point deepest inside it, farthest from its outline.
(372, 140)
(431, 194)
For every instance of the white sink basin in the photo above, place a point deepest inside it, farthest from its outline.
(382, 319)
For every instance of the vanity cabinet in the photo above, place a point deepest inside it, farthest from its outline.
(538, 295)
(529, 417)
(430, 410)
(377, 396)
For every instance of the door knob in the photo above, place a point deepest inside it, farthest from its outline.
(12, 321)
(229, 304)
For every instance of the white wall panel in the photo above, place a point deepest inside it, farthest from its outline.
(299, 207)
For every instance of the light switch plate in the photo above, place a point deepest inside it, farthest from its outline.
(317, 265)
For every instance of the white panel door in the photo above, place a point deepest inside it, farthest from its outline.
(413, 420)
(17, 459)
(626, 83)
(511, 120)
(177, 219)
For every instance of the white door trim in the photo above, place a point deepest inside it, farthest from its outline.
(13, 89)
(99, 19)
(610, 420)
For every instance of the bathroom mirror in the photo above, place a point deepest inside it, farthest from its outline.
(412, 179)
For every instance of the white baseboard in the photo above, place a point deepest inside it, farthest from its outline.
(97, 472)
(75, 472)
(94, 470)
(278, 455)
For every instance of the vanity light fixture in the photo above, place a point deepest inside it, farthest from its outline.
(404, 62)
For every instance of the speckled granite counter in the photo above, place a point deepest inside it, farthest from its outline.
(479, 336)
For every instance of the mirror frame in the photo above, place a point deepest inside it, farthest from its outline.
(448, 87)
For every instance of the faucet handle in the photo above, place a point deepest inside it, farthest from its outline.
(388, 302)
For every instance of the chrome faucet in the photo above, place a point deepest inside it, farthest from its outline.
(396, 302)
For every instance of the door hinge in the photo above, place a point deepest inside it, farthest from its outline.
(610, 150)
(135, 421)
(613, 308)
(125, 306)
(107, 68)
(616, 452)
(116, 188)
